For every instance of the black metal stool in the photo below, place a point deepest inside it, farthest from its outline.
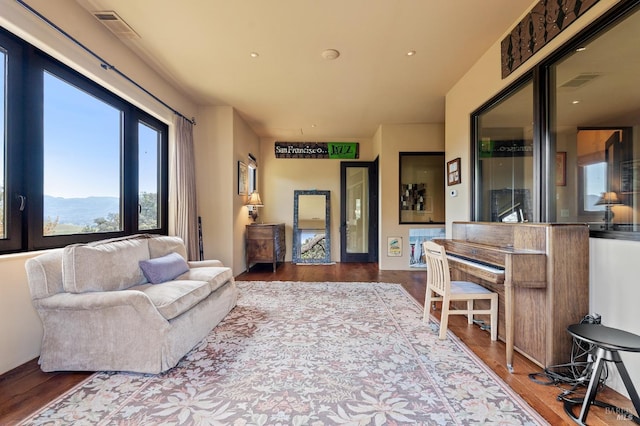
(608, 342)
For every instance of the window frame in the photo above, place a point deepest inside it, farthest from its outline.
(14, 130)
(25, 145)
(476, 203)
(544, 205)
(163, 175)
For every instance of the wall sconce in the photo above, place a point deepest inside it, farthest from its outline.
(253, 203)
(607, 200)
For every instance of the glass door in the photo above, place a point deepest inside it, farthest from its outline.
(358, 212)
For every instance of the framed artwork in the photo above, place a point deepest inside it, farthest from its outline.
(561, 169)
(394, 246)
(421, 192)
(243, 179)
(453, 172)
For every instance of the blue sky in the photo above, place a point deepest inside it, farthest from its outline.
(82, 145)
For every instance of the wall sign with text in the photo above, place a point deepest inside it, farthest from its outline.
(340, 150)
(506, 148)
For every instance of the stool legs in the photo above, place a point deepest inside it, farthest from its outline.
(626, 379)
(593, 384)
(602, 356)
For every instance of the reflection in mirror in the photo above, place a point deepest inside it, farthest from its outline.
(311, 236)
(595, 122)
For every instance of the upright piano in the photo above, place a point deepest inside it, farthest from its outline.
(541, 274)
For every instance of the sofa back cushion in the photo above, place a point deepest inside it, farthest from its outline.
(44, 274)
(107, 265)
(161, 245)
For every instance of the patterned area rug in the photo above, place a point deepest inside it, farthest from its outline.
(307, 353)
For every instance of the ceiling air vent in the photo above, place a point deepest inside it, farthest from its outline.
(116, 24)
(580, 80)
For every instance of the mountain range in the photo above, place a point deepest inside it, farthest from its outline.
(79, 211)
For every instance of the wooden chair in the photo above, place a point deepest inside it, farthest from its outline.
(441, 288)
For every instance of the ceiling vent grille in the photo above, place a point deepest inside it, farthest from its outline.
(580, 80)
(116, 24)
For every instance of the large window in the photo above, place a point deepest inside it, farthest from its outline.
(594, 106)
(149, 148)
(504, 166)
(585, 134)
(79, 163)
(82, 161)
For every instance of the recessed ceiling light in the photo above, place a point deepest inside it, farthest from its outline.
(411, 53)
(330, 54)
(254, 54)
(575, 102)
(581, 49)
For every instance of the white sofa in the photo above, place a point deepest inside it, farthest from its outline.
(100, 312)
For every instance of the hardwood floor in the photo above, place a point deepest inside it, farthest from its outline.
(26, 388)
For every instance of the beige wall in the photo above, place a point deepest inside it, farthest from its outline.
(222, 138)
(279, 177)
(613, 283)
(20, 327)
(395, 138)
(215, 180)
(245, 141)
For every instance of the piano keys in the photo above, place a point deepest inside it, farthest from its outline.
(541, 274)
(477, 268)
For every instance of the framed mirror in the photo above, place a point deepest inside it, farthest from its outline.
(311, 233)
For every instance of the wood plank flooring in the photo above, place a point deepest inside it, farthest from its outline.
(26, 388)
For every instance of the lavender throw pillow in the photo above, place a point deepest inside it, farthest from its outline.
(165, 268)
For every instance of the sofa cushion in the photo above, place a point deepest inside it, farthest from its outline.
(107, 266)
(164, 268)
(159, 245)
(173, 298)
(216, 276)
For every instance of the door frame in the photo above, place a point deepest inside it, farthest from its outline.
(372, 255)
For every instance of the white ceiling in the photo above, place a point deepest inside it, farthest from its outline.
(290, 92)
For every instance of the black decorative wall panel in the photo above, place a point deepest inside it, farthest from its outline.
(545, 21)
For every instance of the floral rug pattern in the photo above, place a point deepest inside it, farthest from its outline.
(295, 353)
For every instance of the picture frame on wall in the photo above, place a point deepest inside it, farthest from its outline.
(394, 246)
(561, 168)
(453, 172)
(421, 190)
(243, 178)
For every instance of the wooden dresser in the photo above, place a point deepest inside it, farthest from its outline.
(265, 243)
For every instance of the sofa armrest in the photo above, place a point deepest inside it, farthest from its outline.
(94, 331)
(204, 263)
(101, 300)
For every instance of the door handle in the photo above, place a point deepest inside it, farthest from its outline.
(23, 202)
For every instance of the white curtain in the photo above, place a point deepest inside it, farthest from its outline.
(184, 179)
